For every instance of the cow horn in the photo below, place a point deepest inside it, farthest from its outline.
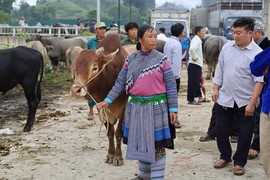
(110, 57)
(100, 51)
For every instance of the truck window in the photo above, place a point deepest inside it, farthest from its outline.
(167, 25)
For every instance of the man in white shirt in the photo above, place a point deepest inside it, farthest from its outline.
(161, 36)
(38, 24)
(173, 49)
(22, 21)
(195, 65)
(236, 92)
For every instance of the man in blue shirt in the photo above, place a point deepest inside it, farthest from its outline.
(261, 39)
(259, 67)
(100, 30)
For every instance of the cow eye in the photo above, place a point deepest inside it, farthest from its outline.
(95, 69)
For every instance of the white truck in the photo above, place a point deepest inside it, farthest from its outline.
(221, 15)
(167, 17)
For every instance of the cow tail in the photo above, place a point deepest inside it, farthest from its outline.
(220, 45)
(38, 90)
(68, 59)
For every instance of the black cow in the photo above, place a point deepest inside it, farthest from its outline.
(24, 66)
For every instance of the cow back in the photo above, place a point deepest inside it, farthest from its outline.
(212, 46)
(20, 65)
(37, 45)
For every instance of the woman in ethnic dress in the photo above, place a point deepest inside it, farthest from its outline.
(152, 106)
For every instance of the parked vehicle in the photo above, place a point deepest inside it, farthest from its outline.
(167, 17)
(221, 15)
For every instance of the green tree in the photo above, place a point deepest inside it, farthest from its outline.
(6, 5)
(141, 5)
(40, 2)
(4, 17)
(92, 13)
(24, 9)
(47, 11)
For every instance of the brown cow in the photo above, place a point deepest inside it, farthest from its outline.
(89, 64)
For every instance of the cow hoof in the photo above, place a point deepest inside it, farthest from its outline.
(109, 159)
(27, 129)
(118, 161)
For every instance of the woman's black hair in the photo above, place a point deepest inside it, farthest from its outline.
(141, 31)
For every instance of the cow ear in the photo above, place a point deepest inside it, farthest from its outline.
(110, 57)
(99, 52)
(48, 47)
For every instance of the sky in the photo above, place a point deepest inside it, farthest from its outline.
(187, 3)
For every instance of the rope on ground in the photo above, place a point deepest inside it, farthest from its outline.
(185, 158)
(102, 113)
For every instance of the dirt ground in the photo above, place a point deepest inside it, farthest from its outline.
(64, 145)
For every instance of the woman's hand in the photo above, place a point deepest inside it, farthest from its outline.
(173, 117)
(102, 104)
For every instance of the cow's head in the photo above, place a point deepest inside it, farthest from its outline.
(88, 66)
(37, 37)
(54, 55)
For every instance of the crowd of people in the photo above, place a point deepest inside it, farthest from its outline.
(152, 79)
(151, 111)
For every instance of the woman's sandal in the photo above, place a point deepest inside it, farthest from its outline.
(221, 163)
(238, 170)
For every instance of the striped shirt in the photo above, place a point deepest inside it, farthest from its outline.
(155, 79)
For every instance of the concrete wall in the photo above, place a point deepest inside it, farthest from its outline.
(12, 40)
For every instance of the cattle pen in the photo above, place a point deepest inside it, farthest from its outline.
(6, 30)
(15, 35)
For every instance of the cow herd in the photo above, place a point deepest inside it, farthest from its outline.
(93, 71)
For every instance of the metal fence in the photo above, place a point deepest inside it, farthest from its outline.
(44, 30)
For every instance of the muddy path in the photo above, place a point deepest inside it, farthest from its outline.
(64, 145)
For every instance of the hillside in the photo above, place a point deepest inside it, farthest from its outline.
(70, 9)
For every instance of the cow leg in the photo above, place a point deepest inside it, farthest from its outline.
(70, 74)
(111, 150)
(118, 159)
(32, 100)
(209, 72)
